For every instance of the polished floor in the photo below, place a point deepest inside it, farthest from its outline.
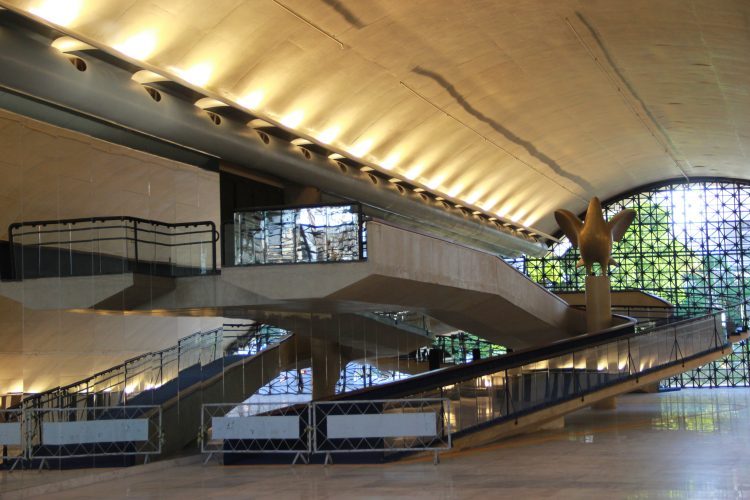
(686, 444)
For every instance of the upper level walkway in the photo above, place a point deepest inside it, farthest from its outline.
(465, 288)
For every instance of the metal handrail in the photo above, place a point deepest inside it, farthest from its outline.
(460, 373)
(193, 341)
(125, 220)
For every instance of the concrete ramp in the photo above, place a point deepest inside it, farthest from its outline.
(465, 288)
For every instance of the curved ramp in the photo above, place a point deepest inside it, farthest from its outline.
(463, 287)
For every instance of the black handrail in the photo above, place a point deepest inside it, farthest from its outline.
(118, 368)
(13, 227)
(122, 367)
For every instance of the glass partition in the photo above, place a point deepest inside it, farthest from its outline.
(520, 388)
(508, 386)
(111, 245)
(291, 235)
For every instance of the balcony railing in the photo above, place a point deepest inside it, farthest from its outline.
(123, 383)
(111, 245)
(494, 390)
(304, 234)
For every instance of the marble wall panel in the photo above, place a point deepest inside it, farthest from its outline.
(48, 172)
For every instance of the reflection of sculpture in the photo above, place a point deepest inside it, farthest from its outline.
(594, 236)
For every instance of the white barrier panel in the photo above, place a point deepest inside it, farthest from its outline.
(95, 431)
(382, 426)
(264, 427)
(10, 434)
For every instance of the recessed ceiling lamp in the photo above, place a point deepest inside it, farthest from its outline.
(257, 123)
(336, 156)
(251, 100)
(199, 74)
(210, 102)
(299, 141)
(139, 46)
(362, 148)
(391, 161)
(365, 169)
(144, 76)
(418, 190)
(329, 134)
(67, 44)
(293, 119)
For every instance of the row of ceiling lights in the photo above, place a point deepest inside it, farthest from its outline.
(152, 81)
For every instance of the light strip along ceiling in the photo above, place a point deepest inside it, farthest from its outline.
(509, 109)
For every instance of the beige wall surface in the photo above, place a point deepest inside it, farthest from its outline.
(43, 349)
(51, 173)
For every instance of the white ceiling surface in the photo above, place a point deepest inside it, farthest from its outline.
(517, 107)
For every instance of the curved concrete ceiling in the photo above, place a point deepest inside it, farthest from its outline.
(518, 107)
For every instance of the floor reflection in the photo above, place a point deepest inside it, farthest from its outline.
(685, 444)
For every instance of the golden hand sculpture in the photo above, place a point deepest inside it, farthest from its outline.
(594, 236)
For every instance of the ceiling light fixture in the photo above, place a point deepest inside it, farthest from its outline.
(199, 74)
(257, 123)
(293, 119)
(362, 148)
(251, 100)
(139, 46)
(145, 76)
(329, 134)
(67, 44)
(210, 102)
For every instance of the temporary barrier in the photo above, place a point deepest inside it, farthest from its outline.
(381, 425)
(326, 427)
(62, 433)
(255, 428)
(11, 436)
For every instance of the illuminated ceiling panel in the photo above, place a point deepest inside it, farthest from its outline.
(517, 108)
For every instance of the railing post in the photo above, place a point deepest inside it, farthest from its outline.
(12, 252)
(215, 238)
(360, 241)
(135, 242)
(70, 249)
(125, 385)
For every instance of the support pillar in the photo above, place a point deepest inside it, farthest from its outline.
(327, 362)
(598, 303)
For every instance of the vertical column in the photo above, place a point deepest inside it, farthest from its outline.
(598, 303)
(327, 361)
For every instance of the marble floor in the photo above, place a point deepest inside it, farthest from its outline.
(685, 444)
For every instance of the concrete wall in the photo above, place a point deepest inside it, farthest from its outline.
(51, 173)
(43, 349)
